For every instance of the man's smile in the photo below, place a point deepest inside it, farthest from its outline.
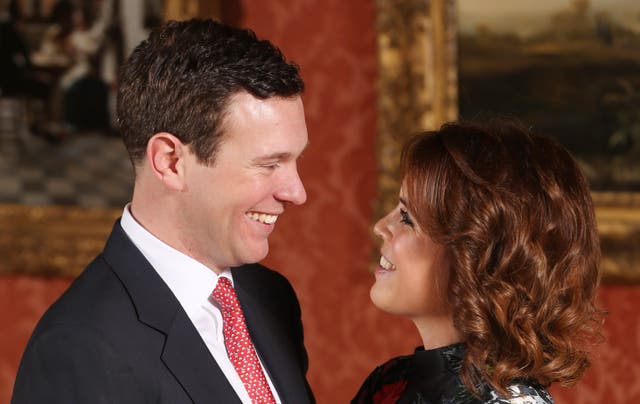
(262, 217)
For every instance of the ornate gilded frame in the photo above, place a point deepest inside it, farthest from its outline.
(418, 91)
(52, 240)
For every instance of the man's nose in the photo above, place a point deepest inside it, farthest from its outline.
(293, 190)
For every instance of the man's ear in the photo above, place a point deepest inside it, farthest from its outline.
(166, 154)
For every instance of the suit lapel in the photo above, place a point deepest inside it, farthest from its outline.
(188, 358)
(185, 353)
(271, 345)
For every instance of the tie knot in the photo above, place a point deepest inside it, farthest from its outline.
(224, 294)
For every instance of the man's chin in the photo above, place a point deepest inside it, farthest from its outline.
(255, 254)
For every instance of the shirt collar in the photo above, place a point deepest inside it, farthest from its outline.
(190, 281)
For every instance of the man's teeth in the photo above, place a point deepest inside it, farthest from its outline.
(262, 217)
(386, 264)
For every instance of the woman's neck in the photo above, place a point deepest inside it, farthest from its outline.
(437, 332)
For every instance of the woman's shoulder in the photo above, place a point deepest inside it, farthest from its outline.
(387, 382)
(424, 376)
(522, 393)
(396, 368)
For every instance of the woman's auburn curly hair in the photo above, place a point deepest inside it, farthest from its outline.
(515, 216)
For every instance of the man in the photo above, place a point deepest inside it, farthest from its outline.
(213, 122)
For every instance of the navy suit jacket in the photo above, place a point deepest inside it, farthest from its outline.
(119, 335)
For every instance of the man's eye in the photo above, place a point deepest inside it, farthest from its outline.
(405, 218)
(272, 165)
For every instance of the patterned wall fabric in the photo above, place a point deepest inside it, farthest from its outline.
(23, 300)
(325, 247)
(346, 341)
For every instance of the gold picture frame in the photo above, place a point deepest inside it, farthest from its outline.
(52, 240)
(418, 91)
(417, 84)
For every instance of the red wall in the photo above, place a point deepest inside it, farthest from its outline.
(22, 301)
(325, 247)
(347, 339)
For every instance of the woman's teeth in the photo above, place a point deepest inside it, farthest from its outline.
(262, 217)
(386, 264)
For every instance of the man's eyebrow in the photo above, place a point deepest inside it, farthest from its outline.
(277, 156)
(272, 157)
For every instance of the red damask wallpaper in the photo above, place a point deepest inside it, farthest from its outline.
(325, 247)
(22, 301)
(346, 337)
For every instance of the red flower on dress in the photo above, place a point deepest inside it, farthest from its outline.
(390, 393)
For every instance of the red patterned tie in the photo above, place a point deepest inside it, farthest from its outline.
(239, 346)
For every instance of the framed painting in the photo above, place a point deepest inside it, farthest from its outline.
(570, 69)
(60, 193)
(64, 176)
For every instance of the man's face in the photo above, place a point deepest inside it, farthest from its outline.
(230, 208)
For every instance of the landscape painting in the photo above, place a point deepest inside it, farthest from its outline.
(568, 68)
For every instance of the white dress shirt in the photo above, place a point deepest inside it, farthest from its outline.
(192, 284)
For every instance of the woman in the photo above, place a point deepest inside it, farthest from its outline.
(493, 253)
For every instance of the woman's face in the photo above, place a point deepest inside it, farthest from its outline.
(411, 279)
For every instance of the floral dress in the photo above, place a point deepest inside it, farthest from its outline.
(433, 377)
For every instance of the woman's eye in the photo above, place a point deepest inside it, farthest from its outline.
(405, 218)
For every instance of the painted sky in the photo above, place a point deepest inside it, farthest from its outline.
(528, 17)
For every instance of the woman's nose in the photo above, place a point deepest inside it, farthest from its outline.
(380, 228)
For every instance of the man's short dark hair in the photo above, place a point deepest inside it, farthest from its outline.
(182, 77)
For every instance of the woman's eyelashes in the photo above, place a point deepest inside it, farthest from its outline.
(404, 217)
